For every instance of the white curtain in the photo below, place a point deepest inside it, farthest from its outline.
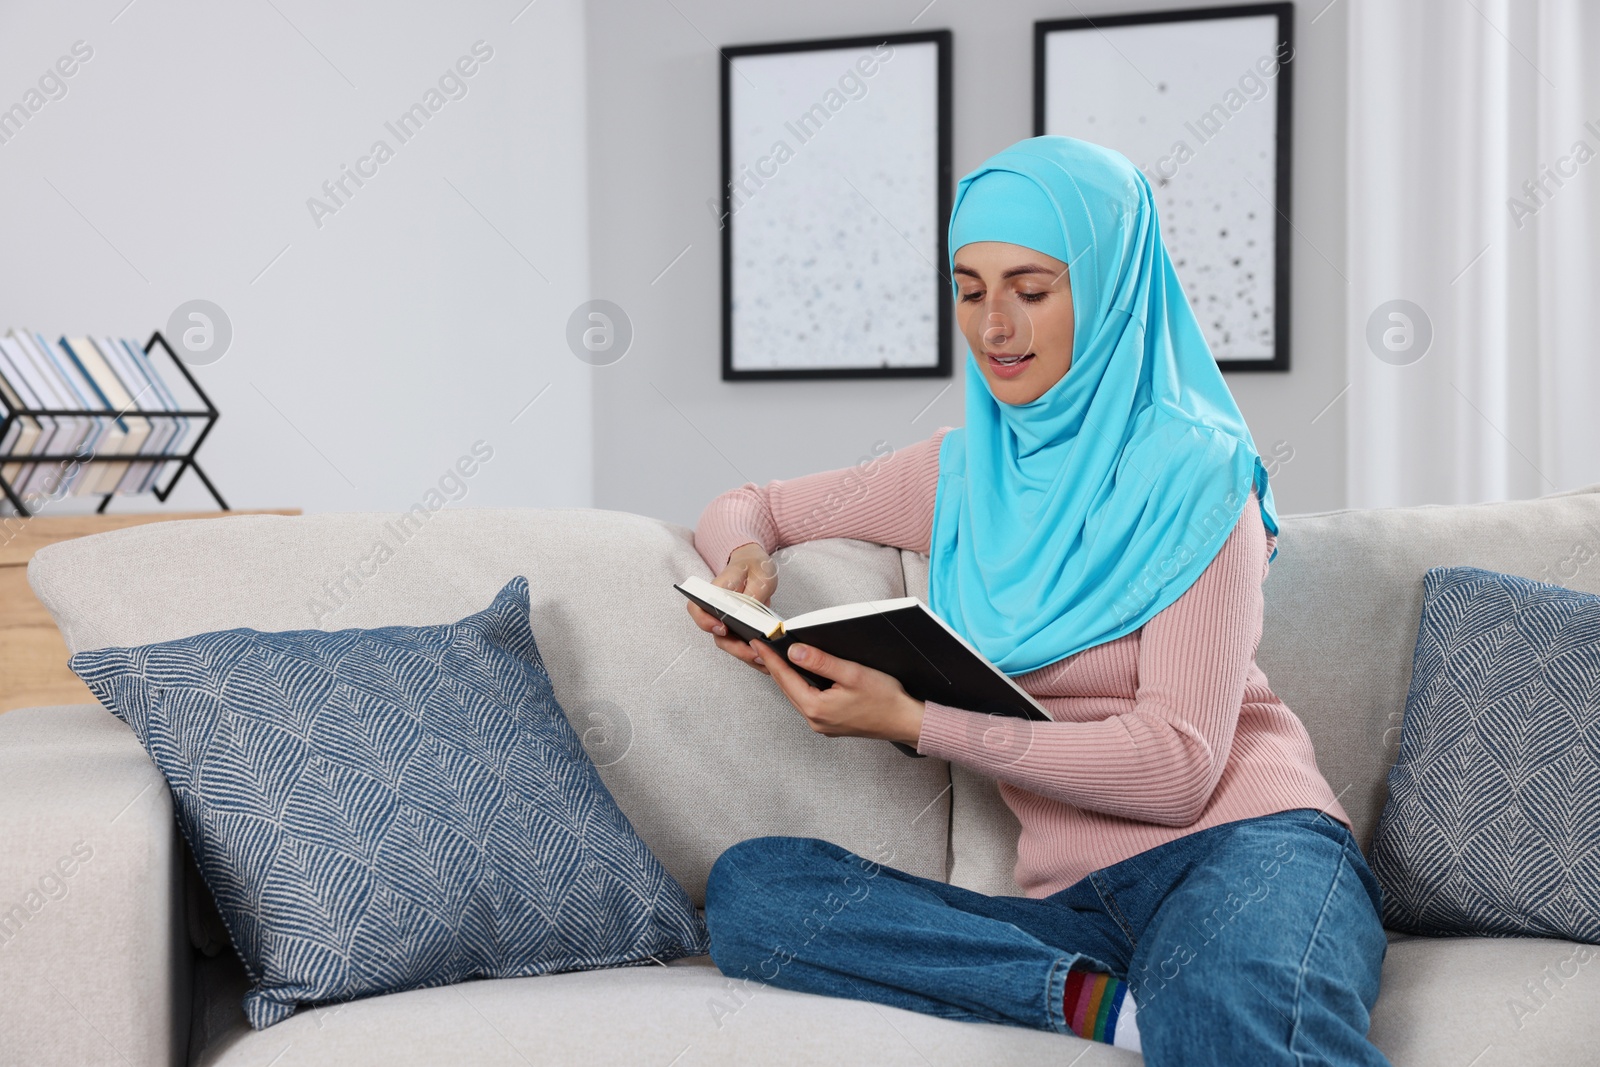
(1474, 194)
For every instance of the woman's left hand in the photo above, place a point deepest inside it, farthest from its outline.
(862, 702)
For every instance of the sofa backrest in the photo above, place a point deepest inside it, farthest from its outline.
(1344, 599)
(700, 751)
(1343, 602)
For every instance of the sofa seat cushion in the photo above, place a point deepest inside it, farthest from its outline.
(685, 1014)
(1444, 1001)
(1489, 1002)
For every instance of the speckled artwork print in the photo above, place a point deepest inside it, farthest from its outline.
(833, 210)
(1194, 105)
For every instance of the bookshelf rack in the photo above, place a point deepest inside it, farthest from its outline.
(185, 460)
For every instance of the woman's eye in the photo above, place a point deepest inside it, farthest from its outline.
(976, 294)
(1033, 298)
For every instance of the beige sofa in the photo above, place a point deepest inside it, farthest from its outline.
(100, 912)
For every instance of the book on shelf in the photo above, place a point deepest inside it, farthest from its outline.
(22, 435)
(102, 388)
(138, 390)
(77, 392)
(165, 400)
(901, 637)
(37, 382)
(147, 395)
(128, 409)
(15, 367)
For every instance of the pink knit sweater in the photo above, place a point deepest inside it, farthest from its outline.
(1165, 731)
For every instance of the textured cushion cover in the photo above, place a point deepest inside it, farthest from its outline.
(389, 809)
(1493, 820)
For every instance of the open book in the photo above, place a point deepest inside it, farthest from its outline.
(900, 637)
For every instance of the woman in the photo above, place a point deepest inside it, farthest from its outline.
(1099, 529)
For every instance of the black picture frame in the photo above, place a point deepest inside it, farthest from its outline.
(944, 186)
(1283, 170)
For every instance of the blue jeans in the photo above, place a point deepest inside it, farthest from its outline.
(1253, 942)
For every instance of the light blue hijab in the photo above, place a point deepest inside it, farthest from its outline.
(1073, 519)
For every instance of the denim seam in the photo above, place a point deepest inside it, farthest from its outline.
(1055, 993)
(1109, 902)
(1305, 960)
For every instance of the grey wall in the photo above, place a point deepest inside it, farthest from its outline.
(371, 352)
(670, 435)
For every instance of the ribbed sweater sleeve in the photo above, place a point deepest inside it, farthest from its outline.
(1159, 760)
(887, 499)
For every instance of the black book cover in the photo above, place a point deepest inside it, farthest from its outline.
(910, 644)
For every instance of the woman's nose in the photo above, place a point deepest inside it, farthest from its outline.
(996, 330)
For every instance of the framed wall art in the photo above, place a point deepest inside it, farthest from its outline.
(1199, 100)
(833, 208)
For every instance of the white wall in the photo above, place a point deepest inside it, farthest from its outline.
(669, 434)
(381, 345)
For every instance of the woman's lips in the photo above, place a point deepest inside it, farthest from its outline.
(1011, 367)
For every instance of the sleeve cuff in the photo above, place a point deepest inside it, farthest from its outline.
(735, 518)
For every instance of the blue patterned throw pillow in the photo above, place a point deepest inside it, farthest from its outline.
(1493, 821)
(389, 809)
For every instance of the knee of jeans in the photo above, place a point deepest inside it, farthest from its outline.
(733, 896)
(750, 866)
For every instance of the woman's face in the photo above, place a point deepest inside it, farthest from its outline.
(1015, 302)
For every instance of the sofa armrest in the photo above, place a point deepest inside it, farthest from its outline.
(94, 956)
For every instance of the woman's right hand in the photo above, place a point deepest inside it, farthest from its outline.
(752, 572)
